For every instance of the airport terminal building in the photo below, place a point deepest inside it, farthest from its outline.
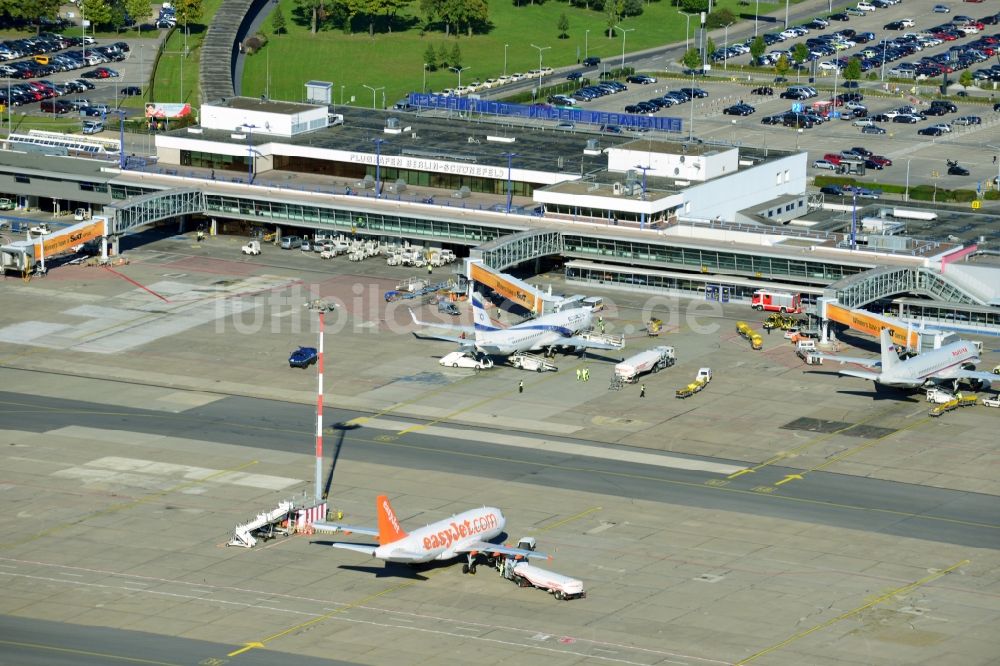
(643, 211)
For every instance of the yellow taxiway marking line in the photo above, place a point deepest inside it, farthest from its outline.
(806, 445)
(88, 653)
(128, 505)
(308, 623)
(849, 452)
(689, 484)
(576, 516)
(851, 613)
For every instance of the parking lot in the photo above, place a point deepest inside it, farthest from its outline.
(57, 75)
(917, 159)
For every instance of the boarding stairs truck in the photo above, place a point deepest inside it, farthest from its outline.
(262, 525)
(651, 360)
(525, 361)
(617, 341)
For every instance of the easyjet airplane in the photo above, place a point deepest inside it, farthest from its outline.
(466, 533)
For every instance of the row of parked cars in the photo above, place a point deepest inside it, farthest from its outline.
(856, 154)
(672, 98)
(46, 64)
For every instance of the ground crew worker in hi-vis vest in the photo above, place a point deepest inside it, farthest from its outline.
(520, 386)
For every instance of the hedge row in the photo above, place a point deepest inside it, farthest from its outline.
(917, 192)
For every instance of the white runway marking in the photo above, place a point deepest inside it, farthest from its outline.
(555, 446)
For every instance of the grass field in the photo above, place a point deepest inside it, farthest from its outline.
(167, 84)
(395, 61)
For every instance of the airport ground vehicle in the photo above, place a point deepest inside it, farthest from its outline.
(992, 402)
(303, 357)
(774, 301)
(460, 359)
(447, 307)
(251, 248)
(524, 361)
(290, 242)
(700, 382)
(528, 575)
(651, 360)
(7, 204)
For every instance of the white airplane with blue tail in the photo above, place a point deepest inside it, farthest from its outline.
(559, 329)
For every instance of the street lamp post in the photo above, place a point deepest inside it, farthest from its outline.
(458, 70)
(586, 44)
(624, 31)
(505, 59)
(786, 14)
(378, 167)
(510, 192)
(687, 31)
(423, 88)
(906, 196)
(540, 50)
(885, 45)
(756, 13)
(725, 49)
(642, 216)
(250, 160)
(374, 90)
(121, 137)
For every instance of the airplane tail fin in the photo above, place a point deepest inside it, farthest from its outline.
(388, 525)
(889, 356)
(480, 318)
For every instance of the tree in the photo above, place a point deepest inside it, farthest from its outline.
(444, 59)
(430, 58)
(316, 11)
(31, 10)
(563, 26)
(757, 48)
(965, 78)
(720, 19)
(98, 12)
(371, 9)
(800, 53)
(278, 25)
(139, 11)
(694, 6)
(710, 46)
(455, 59)
(853, 70)
(460, 13)
(631, 7)
(188, 11)
(692, 59)
(613, 14)
(782, 66)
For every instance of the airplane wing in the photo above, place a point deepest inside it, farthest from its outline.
(346, 529)
(487, 547)
(860, 374)
(987, 378)
(470, 331)
(864, 362)
(589, 344)
(365, 548)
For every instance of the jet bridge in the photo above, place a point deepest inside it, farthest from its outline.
(527, 296)
(23, 256)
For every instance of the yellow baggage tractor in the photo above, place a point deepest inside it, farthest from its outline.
(653, 327)
(743, 329)
(756, 342)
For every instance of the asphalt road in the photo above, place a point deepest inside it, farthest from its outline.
(34, 642)
(936, 514)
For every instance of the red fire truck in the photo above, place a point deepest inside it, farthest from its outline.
(774, 301)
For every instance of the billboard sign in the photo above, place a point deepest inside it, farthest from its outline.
(66, 239)
(543, 112)
(167, 111)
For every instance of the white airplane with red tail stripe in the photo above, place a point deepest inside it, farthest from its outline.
(467, 533)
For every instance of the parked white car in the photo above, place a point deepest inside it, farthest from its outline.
(866, 7)
(459, 359)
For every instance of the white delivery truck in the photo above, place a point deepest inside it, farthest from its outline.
(651, 360)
